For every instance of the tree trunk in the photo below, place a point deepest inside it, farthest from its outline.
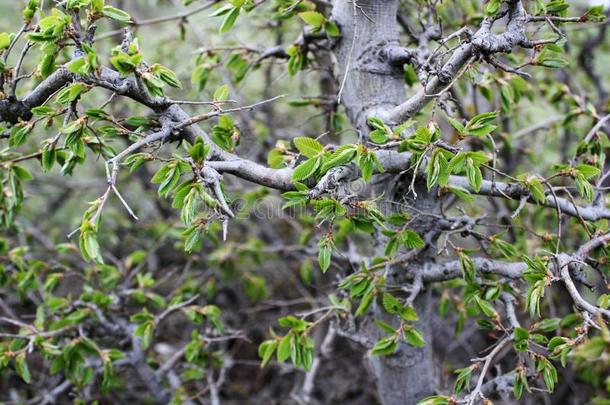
(408, 375)
(370, 87)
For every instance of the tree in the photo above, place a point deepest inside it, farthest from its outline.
(450, 180)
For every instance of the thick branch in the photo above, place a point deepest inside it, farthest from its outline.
(451, 270)
(484, 42)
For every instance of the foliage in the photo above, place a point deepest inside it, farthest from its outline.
(481, 195)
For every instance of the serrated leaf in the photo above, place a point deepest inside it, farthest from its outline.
(391, 304)
(411, 240)
(308, 147)
(305, 169)
(385, 346)
(414, 337)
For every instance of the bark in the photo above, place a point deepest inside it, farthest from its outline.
(410, 374)
(374, 72)
(370, 87)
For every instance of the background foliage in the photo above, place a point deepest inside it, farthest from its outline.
(181, 282)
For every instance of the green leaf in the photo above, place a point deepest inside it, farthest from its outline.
(536, 189)
(604, 301)
(521, 334)
(411, 240)
(324, 256)
(520, 383)
(456, 124)
(297, 60)
(161, 174)
(229, 20)
(313, 18)
(588, 171)
(467, 267)
(21, 367)
(266, 350)
(169, 182)
(331, 29)
(595, 14)
(168, 76)
(475, 177)
(221, 93)
(308, 147)
(5, 40)
(89, 246)
(534, 296)
(116, 14)
(437, 170)
(492, 7)
(391, 304)
(378, 136)
(22, 173)
(485, 307)
(19, 134)
(553, 63)
(414, 337)
(305, 169)
(384, 326)
(408, 314)
(435, 400)
(585, 189)
(366, 302)
(549, 375)
(77, 65)
(145, 332)
(284, 348)
(340, 156)
(71, 93)
(461, 193)
(293, 322)
(547, 325)
(385, 346)
(462, 380)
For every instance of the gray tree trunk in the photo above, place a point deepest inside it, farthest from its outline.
(370, 87)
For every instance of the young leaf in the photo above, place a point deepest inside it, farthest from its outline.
(313, 18)
(21, 367)
(414, 337)
(229, 20)
(305, 169)
(284, 349)
(324, 255)
(308, 147)
(221, 93)
(266, 350)
(116, 14)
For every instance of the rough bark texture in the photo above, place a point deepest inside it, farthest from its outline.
(372, 85)
(410, 374)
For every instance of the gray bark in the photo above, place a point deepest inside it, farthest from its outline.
(409, 375)
(372, 86)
